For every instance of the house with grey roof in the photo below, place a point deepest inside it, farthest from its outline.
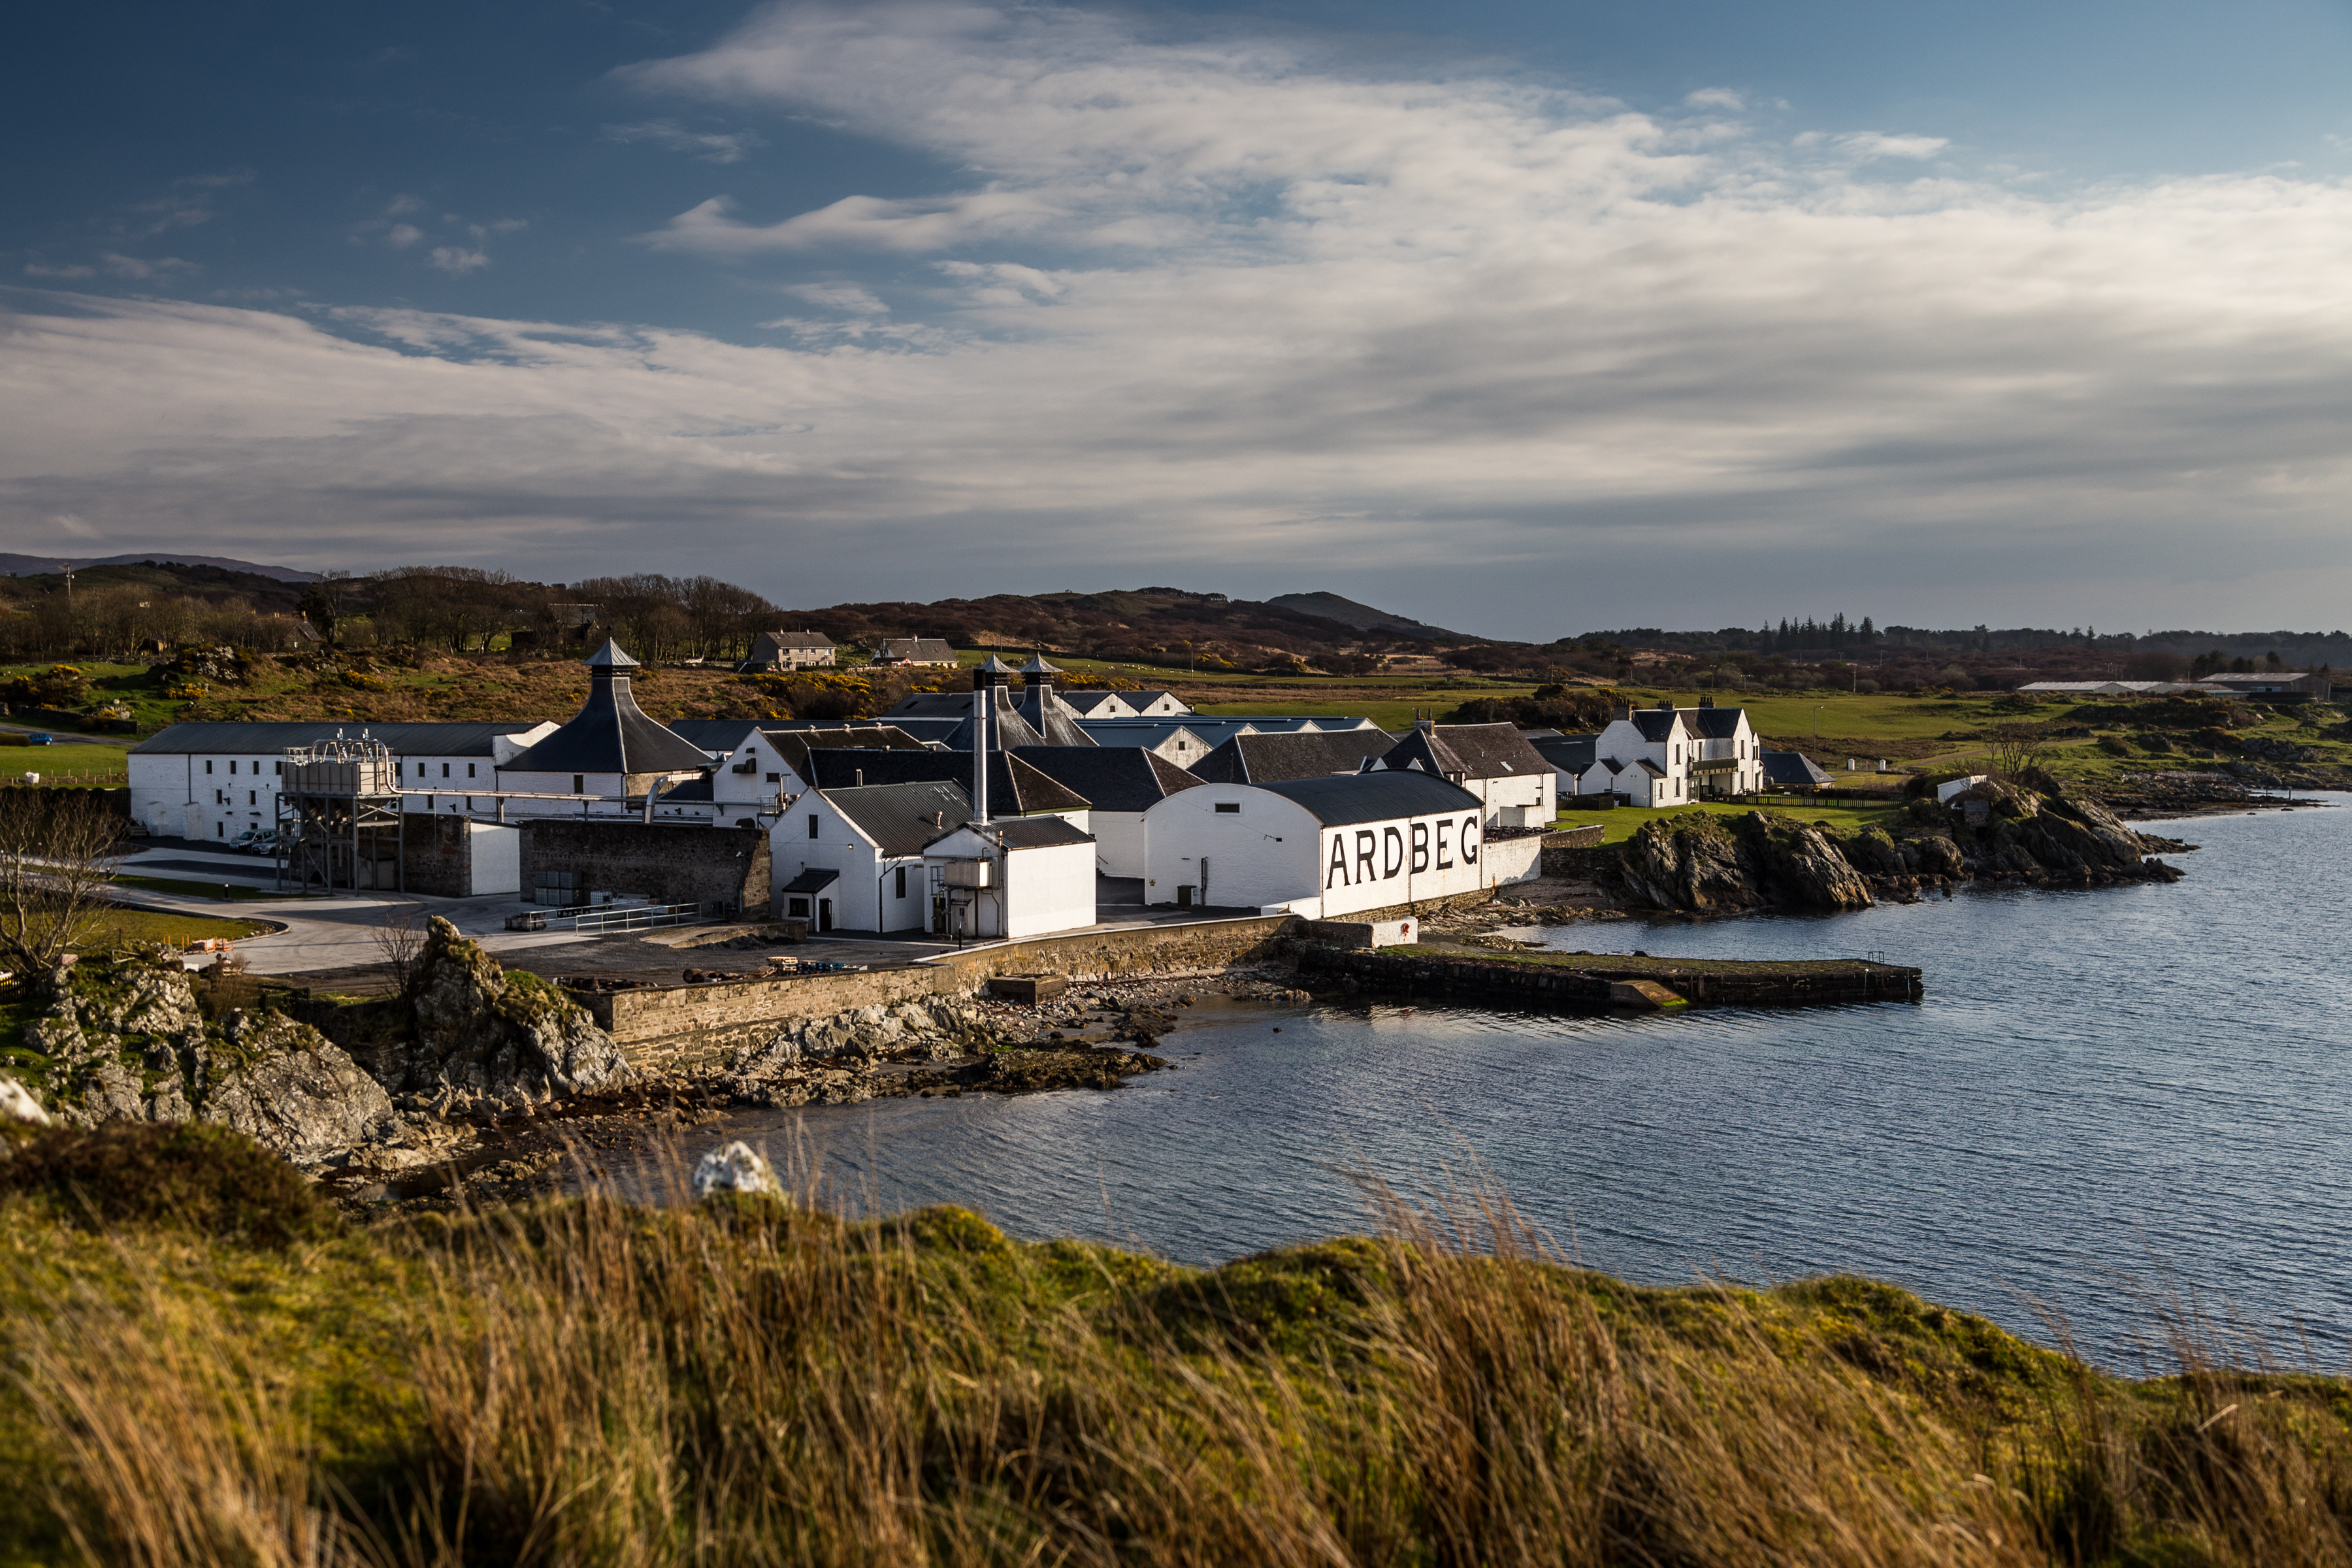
(775, 652)
(1327, 845)
(915, 650)
(1003, 880)
(1493, 761)
(1173, 739)
(1120, 784)
(1577, 768)
(1014, 788)
(1794, 771)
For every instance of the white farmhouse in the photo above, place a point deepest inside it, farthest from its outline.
(1671, 756)
(1324, 846)
(1493, 761)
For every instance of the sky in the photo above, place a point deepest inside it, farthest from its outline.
(1523, 319)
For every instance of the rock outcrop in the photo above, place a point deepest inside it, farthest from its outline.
(1699, 863)
(737, 1168)
(480, 1031)
(126, 1041)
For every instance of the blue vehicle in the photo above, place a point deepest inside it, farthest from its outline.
(41, 740)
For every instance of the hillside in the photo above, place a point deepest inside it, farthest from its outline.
(14, 565)
(1363, 618)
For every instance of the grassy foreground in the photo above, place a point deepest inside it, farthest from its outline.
(209, 1368)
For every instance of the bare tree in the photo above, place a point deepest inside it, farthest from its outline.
(2016, 747)
(400, 941)
(58, 853)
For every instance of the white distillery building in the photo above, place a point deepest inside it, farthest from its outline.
(852, 859)
(1028, 877)
(1671, 756)
(1326, 846)
(215, 782)
(1493, 761)
(1119, 784)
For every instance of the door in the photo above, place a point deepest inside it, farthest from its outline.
(824, 914)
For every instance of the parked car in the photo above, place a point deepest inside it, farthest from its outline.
(40, 739)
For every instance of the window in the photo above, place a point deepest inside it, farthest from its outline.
(902, 881)
(470, 770)
(445, 769)
(208, 767)
(252, 798)
(775, 778)
(232, 767)
(420, 770)
(220, 830)
(278, 769)
(1234, 806)
(579, 783)
(219, 799)
(812, 825)
(798, 908)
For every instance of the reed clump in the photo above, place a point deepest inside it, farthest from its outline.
(753, 1381)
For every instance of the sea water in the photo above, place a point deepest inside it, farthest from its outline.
(2107, 1098)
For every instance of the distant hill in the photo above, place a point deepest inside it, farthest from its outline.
(1363, 618)
(1163, 626)
(14, 565)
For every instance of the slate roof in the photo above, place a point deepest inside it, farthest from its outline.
(1654, 723)
(794, 745)
(1037, 833)
(1568, 753)
(916, 651)
(1013, 786)
(1112, 778)
(903, 817)
(791, 639)
(719, 735)
(1792, 768)
(1712, 724)
(609, 734)
(266, 739)
(1301, 754)
(814, 880)
(1139, 700)
(1336, 802)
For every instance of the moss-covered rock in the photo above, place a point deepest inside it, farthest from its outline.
(478, 1030)
(210, 1181)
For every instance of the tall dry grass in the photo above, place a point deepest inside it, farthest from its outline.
(751, 1382)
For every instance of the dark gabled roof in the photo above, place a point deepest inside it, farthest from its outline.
(609, 734)
(1013, 786)
(1037, 833)
(1791, 768)
(1139, 700)
(1655, 724)
(1374, 797)
(720, 735)
(1573, 753)
(690, 792)
(1301, 754)
(903, 817)
(1425, 751)
(815, 879)
(1712, 724)
(1492, 750)
(793, 640)
(266, 739)
(1112, 778)
(795, 745)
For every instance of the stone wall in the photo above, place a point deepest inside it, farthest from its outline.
(1587, 836)
(435, 856)
(670, 864)
(1594, 864)
(684, 1028)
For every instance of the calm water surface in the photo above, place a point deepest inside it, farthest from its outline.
(2147, 1082)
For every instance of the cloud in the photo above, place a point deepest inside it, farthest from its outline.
(1716, 98)
(400, 235)
(47, 270)
(134, 267)
(1221, 311)
(711, 147)
(191, 201)
(458, 261)
(858, 222)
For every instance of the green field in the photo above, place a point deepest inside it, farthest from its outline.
(64, 764)
(228, 893)
(122, 924)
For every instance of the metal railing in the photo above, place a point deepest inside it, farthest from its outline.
(592, 920)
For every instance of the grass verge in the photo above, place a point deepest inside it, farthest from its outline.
(754, 1381)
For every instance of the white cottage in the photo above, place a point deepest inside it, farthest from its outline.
(1032, 876)
(1326, 846)
(852, 859)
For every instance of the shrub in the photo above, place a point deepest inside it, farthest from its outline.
(2115, 745)
(186, 1175)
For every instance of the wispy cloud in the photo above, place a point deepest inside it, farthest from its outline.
(711, 146)
(459, 261)
(1222, 311)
